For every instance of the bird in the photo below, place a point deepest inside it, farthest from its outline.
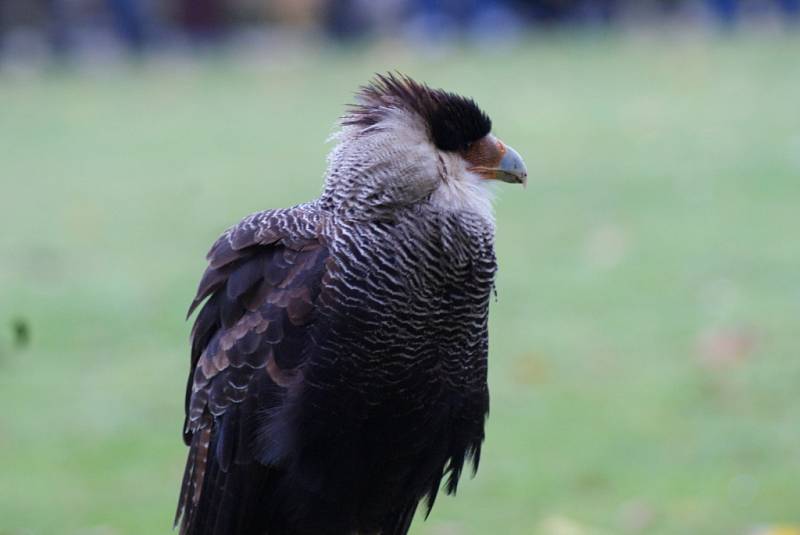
(339, 356)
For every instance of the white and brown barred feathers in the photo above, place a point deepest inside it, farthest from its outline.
(338, 363)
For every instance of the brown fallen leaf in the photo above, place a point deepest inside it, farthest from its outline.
(775, 530)
(721, 348)
(529, 369)
(562, 525)
(636, 516)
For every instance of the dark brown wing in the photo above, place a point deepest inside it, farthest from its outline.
(248, 341)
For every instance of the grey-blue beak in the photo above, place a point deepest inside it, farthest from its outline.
(512, 169)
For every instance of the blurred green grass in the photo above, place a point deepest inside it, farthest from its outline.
(644, 355)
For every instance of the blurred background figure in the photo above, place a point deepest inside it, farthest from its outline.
(130, 22)
(484, 20)
(57, 23)
(203, 20)
(79, 27)
(728, 11)
(70, 25)
(560, 11)
(345, 20)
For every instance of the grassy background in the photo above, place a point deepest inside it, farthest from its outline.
(645, 363)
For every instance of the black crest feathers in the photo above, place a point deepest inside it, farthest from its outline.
(453, 121)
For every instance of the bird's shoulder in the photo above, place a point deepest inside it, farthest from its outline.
(257, 295)
(290, 226)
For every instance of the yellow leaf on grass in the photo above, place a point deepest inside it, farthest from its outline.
(778, 530)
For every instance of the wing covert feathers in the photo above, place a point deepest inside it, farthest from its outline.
(257, 297)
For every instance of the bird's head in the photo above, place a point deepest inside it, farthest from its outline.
(404, 143)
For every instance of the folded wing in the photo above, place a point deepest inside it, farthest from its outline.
(249, 343)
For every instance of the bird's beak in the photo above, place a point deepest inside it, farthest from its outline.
(510, 168)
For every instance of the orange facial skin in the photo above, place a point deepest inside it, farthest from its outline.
(492, 159)
(485, 155)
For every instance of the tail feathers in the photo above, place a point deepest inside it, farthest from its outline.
(193, 477)
(216, 501)
(401, 523)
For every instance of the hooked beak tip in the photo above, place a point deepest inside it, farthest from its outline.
(512, 168)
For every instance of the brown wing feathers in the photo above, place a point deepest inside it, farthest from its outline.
(258, 294)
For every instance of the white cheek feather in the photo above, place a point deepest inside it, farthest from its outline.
(464, 191)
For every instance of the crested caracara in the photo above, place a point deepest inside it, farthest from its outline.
(338, 361)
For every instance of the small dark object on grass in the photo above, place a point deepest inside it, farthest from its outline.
(21, 332)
